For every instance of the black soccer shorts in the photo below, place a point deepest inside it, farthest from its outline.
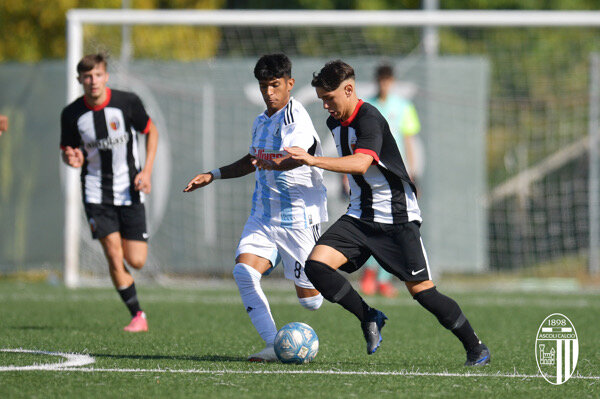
(129, 220)
(398, 248)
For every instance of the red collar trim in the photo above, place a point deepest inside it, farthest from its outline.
(348, 121)
(100, 106)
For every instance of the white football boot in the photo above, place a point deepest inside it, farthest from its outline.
(265, 355)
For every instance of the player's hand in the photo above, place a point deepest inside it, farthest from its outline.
(143, 182)
(300, 155)
(200, 180)
(264, 164)
(73, 157)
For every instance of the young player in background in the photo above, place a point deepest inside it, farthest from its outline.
(288, 204)
(99, 135)
(403, 120)
(383, 218)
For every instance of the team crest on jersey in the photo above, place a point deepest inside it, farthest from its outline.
(114, 123)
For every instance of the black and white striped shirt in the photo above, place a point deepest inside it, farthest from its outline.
(106, 134)
(385, 193)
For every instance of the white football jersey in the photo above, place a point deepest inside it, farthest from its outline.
(295, 198)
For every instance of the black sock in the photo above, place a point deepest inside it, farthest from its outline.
(335, 288)
(449, 315)
(354, 303)
(129, 296)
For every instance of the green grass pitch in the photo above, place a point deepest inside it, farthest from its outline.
(199, 339)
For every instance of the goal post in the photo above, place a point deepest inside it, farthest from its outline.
(436, 95)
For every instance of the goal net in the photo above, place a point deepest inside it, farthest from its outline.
(503, 100)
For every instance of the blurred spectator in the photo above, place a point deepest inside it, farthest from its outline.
(3, 123)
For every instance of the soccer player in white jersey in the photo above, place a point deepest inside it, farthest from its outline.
(289, 200)
(383, 218)
(98, 134)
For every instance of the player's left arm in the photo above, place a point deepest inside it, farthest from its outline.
(366, 153)
(355, 164)
(284, 163)
(143, 180)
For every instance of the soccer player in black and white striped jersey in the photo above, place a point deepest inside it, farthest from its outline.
(98, 134)
(383, 218)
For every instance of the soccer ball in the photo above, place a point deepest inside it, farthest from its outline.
(296, 343)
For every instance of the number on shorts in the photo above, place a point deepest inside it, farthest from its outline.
(297, 269)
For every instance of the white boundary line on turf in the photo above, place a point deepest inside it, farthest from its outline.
(317, 372)
(73, 360)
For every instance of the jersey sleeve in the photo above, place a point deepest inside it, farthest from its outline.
(251, 148)
(69, 135)
(139, 118)
(409, 122)
(300, 133)
(296, 135)
(370, 136)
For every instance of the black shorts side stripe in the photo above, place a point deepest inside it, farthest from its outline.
(105, 158)
(316, 233)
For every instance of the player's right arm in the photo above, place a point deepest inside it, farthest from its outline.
(72, 156)
(239, 168)
(70, 141)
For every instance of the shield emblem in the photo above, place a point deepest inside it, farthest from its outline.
(556, 349)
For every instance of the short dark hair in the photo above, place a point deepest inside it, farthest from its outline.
(332, 75)
(273, 66)
(88, 62)
(384, 71)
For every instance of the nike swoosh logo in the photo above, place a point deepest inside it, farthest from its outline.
(414, 273)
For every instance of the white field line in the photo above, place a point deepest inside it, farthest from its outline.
(401, 373)
(73, 360)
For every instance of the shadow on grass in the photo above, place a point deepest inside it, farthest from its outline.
(31, 327)
(207, 358)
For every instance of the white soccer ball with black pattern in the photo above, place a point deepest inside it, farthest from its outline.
(296, 343)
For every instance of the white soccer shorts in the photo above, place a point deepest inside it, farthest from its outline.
(275, 243)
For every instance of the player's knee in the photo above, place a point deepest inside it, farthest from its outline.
(332, 285)
(311, 302)
(311, 269)
(137, 262)
(245, 275)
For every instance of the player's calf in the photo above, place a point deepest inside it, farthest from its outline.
(451, 317)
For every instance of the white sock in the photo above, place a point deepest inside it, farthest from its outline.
(255, 301)
(312, 302)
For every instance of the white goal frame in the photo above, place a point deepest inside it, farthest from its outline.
(76, 18)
